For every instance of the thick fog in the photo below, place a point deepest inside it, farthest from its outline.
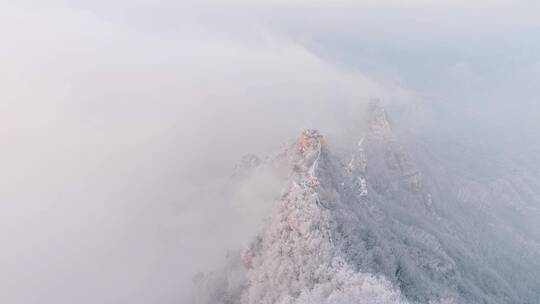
(120, 120)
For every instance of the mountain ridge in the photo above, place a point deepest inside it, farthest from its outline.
(361, 229)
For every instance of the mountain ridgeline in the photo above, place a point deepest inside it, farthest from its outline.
(372, 225)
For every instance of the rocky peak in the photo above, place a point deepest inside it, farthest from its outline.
(309, 140)
(357, 169)
(307, 152)
(379, 126)
(358, 161)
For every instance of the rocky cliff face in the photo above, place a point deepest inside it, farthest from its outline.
(364, 229)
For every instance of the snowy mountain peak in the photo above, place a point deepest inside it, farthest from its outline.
(306, 154)
(308, 141)
(379, 125)
(300, 256)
